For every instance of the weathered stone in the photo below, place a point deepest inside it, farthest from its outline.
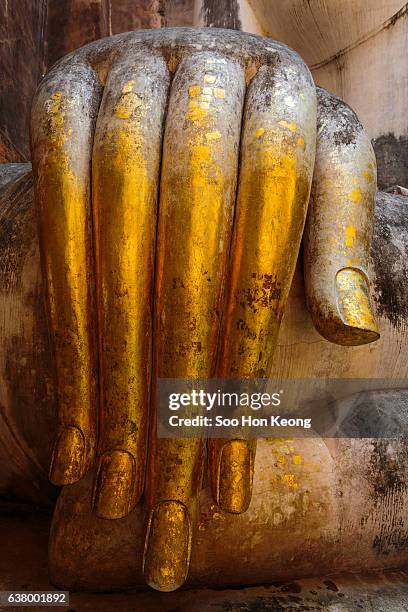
(21, 66)
(24, 536)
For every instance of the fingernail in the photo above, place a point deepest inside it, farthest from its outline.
(234, 487)
(114, 487)
(167, 547)
(353, 297)
(68, 457)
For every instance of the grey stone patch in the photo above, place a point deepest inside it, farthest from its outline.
(392, 160)
(11, 172)
(336, 118)
(389, 253)
(374, 414)
(221, 14)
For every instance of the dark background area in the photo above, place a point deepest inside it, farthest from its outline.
(34, 34)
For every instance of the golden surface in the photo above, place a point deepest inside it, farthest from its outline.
(354, 304)
(114, 493)
(273, 193)
(61, 157)
(68, 456)
(169, 530)
(126, 162)
(200, 159)
(235, 475)
(220, 282)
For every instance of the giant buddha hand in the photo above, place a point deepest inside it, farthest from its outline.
(173, 170)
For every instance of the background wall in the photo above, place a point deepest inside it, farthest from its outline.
(22, 25)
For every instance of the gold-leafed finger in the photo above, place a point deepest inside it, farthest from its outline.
(339, 227)
(277, 157)
(200, 160)
(126, 165)
(235, 470)
(62, 126)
